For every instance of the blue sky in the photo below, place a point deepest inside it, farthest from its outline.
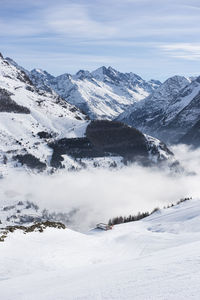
(153, 38)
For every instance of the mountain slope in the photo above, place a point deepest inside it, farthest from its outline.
(192, 137)
(25, 112)
(103, 93)
(156, 258)
(169, 112)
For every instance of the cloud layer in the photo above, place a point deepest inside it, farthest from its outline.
(98, 195)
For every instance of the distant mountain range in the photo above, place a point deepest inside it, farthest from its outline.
(101, 94)
(168, 111)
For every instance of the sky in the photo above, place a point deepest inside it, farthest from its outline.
(153, 38)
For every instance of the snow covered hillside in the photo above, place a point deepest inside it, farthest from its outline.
(170, 112)
(29, 117)
(155, 258)
(101, 94)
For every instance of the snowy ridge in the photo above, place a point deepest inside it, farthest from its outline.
(155, 258)
(103, 96)
(103, 93)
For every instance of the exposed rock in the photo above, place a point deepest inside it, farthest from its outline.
(30, 161)
(40, 227)
(44, 135)
(192, 137)
(9, 105)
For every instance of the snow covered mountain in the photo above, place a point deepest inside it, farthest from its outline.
(104, 93)
(29, 116)
(169, 112)
(101, 94)
(155, 258)
(39, 130)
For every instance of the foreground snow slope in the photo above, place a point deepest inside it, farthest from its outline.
(156, 258)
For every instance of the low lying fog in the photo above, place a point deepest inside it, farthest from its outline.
(102, 194)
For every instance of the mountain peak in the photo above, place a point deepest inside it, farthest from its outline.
(13, 63)
(41, 72)
(38, 71)
(177, 79)
(99, 72)
(108, 74)
(82, 74)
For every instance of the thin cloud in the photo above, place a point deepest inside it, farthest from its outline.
(115, 30)
(186, 51)
(75, 20)
(81, 20)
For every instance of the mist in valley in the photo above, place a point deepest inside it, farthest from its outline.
(96, 195)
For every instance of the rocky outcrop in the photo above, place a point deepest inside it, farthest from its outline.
(9, 105)
(37, 227)
(192, 137)
(30, 161)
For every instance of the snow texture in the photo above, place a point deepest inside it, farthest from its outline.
(155, 258)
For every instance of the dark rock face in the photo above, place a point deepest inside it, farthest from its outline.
(44, 135)
(30, 161)
(8, 105)
(192, 137)
(38, 227)
(103, 138)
